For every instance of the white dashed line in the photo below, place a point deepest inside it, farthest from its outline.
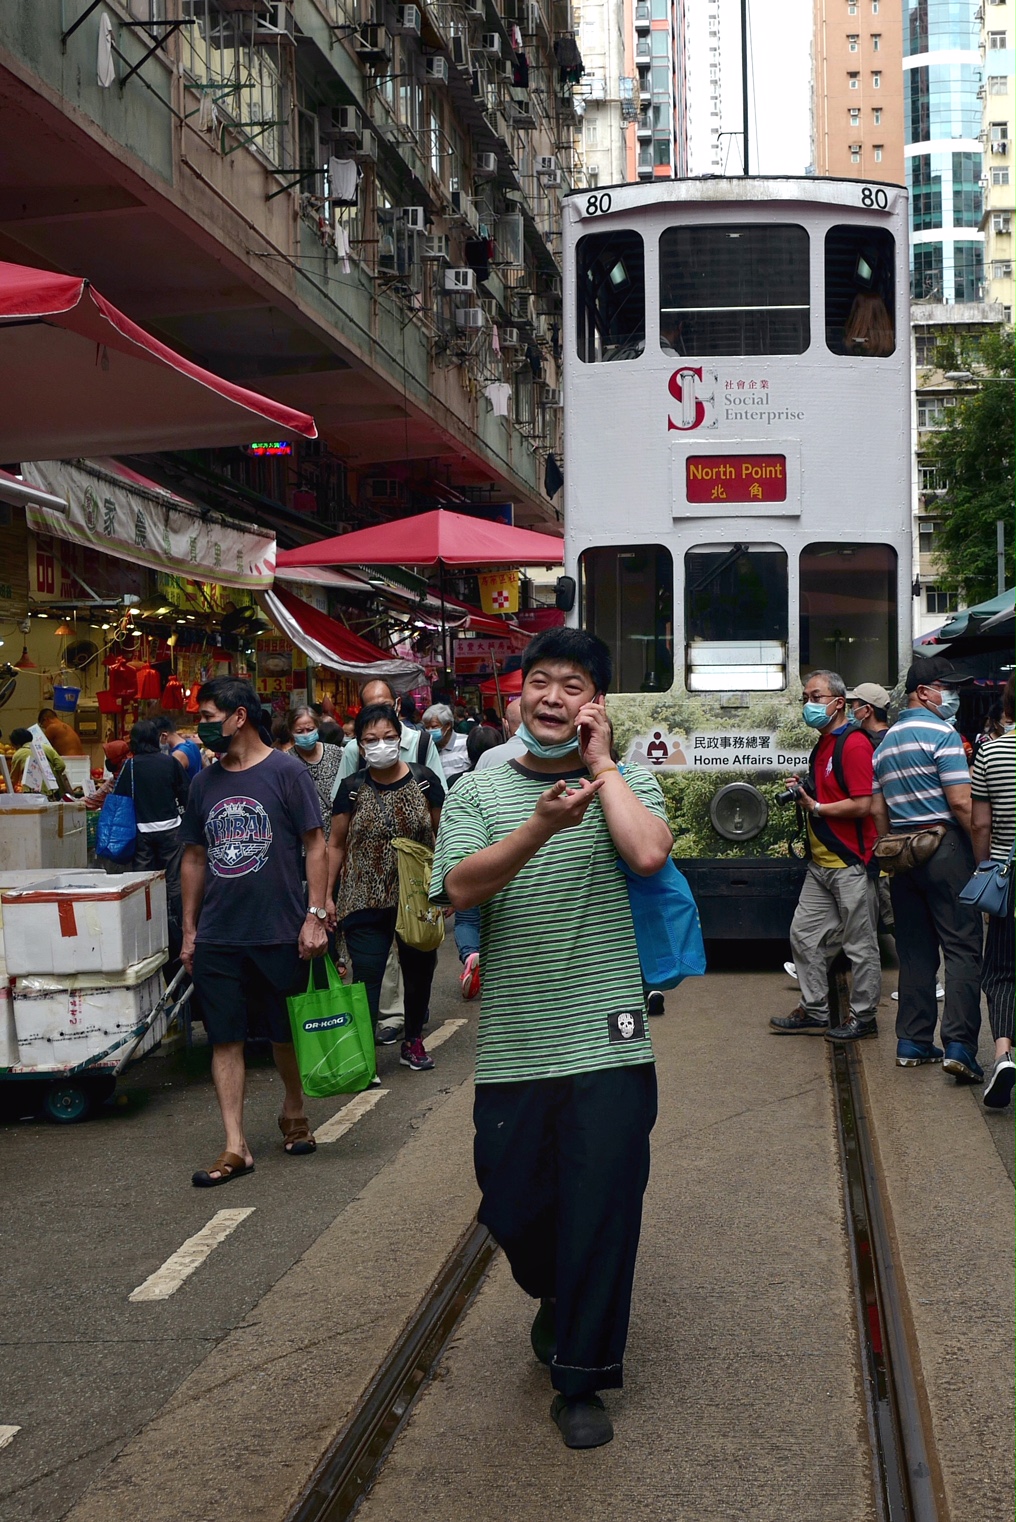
(444, 1030)
(168, 1279)
(343, 1120)
(7, 1435)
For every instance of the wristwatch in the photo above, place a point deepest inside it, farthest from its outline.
(320, 914)
(817, 810)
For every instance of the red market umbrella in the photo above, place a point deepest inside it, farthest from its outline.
(509, 686)
(440, 538)
(82, 379)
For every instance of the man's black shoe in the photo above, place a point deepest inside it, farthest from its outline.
(852, 1029)
(798, 1023)
(583, 1423)
(654, 1002)
(543, 1334)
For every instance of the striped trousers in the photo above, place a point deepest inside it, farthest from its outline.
(997, 974)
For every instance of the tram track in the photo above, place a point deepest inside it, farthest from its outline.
(901, 1465)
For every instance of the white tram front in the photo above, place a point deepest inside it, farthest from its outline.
(737, 488)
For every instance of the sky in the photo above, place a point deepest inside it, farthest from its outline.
(780, 61)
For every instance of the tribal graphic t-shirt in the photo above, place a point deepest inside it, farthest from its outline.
(252, 824)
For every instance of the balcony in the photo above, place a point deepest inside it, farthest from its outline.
(643, 17)
(643, 51)
(644, 130)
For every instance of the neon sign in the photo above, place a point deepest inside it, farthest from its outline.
(275, 447)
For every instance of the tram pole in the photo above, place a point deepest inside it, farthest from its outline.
(744, 79)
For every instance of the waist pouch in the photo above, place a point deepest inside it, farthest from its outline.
(906, 849)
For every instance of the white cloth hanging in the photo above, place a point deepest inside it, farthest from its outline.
(342, 246)
(342, 178)
(497, 394)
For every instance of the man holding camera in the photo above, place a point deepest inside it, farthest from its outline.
(838, 904)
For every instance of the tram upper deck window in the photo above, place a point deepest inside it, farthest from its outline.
(734, 289)
(735, 618)
(611, 294)
(628, 600)
(848, 611)
(860, 295)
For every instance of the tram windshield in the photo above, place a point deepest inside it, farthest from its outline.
(734, 289)
(628, 600)
(848, 611)
(860, 297)
(735, 617)
(611, 291)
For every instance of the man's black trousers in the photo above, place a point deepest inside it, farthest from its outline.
(929, 915)
(563, 1164)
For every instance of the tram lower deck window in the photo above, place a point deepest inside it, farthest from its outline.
(735, 618)
(611, 296)
(860, 291)
(734, 289)
(628, 600)
(848, 611)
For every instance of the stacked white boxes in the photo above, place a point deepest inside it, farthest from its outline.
(84, 952)
(9, 1055)
(38, 835)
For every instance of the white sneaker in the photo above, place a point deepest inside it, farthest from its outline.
(999, 1087)
(790, 968)
(939, 993)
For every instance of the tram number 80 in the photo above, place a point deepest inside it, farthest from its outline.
(597, 206)
(869, 197)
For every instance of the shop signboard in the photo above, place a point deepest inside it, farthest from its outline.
(477, 657)
(59, 571)
(281, 680)
(147, 526)
(499, 591)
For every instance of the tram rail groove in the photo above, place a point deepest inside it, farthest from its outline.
(353, 1461)
(904, 1477)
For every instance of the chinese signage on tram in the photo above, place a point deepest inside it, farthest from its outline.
(713, 750)
(736, 478)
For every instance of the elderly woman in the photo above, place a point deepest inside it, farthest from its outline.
(439, 722)
(993, 787)
(321, 760)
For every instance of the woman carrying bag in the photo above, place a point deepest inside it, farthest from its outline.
(388, 800)
(993, 785)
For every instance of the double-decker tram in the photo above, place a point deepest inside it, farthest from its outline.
(737, 490)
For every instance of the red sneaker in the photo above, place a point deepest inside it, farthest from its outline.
(414, 1056)
(469, 978)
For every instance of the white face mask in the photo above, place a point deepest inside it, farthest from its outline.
(381, 753)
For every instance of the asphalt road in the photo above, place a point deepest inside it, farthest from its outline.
(89, 1211)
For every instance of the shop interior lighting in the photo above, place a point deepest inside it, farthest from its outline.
(25, 662)
(63, 629)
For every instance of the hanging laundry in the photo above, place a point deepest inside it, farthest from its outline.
(535, 359)
(495, 340)
(477, 253)
(342, 247)
(498, 394)
(343, 177)
(520, 77)
(553, 479)
(555, 341)
(516, 37)
(569, 59)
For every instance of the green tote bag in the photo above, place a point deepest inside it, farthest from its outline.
(333, 1034)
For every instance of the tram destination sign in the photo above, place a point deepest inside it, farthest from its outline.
(736, 478)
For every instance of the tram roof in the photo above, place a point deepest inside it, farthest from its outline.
(715, 187)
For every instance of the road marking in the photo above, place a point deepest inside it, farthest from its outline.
(168, 1279)
(343, 1120)
(446, 1029)
(7, 1435)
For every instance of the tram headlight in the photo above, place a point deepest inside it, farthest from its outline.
(738, 811)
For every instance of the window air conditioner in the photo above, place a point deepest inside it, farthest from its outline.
(372, 43)
(509, 338)
(490, 42)
(474, 7)
(532, 14)
(414, 217)
(485, 165)
(551, 396)
(435, 70)
(280, 25)
(460, 51)
(552, 181)
(367, 147)
(436, 247)
(460, 280)
(339, 123)
(545, 164)
(472, 318)
(409, 18)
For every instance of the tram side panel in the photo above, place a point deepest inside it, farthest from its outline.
(736, 520)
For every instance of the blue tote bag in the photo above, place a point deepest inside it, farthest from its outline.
(117, 833)
(667, 929)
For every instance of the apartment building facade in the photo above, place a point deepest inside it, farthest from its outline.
(998, 85)
(353, 205)
(604, 101)
(857, 110)
(703, 23)
(658, 148)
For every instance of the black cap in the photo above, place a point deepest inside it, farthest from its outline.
(931, 670)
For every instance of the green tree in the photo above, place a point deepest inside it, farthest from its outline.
(974, 456)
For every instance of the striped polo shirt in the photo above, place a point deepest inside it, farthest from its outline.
(562, 988)
(993, 780)
(921, 755)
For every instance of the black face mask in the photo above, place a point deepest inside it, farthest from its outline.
(213, 739)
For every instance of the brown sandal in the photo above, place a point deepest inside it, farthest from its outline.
(229, 1165)
(297, 1136)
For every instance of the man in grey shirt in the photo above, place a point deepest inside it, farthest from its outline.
(411, 744)
(512, 747)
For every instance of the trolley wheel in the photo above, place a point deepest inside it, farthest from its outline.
(69, 1101)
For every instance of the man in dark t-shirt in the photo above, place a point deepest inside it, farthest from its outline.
(246, 923)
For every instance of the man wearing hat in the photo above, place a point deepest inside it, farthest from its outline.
(869, 706)
(921, 779)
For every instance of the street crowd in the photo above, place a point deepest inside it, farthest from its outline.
(896, 820)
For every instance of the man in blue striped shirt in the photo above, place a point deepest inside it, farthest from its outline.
(921, 779)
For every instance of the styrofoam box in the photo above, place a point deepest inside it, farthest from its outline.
(38, 834)
(78, 769)
(8, 1030)
(62, 1022)
(25, 880)
(91, 923)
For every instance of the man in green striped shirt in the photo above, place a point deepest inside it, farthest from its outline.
(566, 1088)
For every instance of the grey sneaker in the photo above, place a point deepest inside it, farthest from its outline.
(798, 1023)
(998, 1089)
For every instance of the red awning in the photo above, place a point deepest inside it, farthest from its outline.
(434, 538)
(82, 379)
(508, 686)
(329, 643)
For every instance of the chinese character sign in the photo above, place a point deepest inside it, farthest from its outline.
(499, 591)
